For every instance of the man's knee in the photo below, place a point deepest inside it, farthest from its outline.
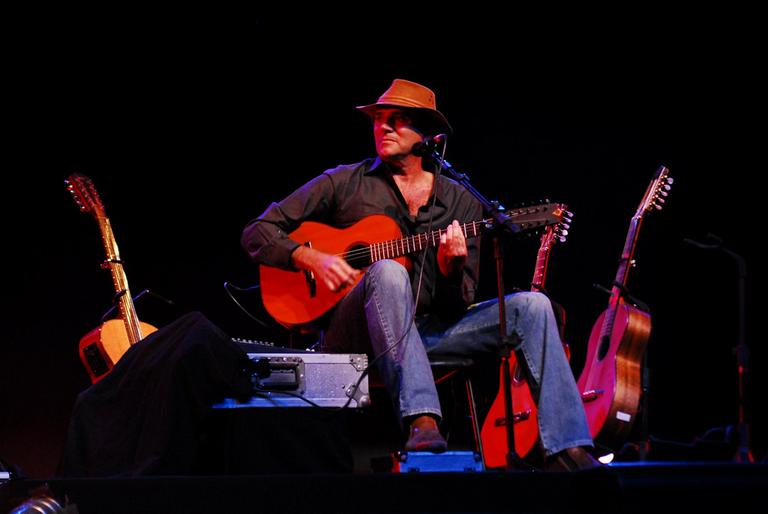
(388, 274)
(531, 301)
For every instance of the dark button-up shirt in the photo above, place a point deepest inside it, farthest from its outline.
(344, 195)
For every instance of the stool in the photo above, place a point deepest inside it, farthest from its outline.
(445, 367)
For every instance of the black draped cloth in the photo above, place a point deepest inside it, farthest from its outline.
(145, 416)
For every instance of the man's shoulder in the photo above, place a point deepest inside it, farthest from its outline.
(456, 190)
(344, 170)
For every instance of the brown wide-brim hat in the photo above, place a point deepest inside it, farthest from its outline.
(412, 96)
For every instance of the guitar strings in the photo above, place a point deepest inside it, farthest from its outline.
(402, 246)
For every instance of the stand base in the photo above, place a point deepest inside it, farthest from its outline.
(515, 463)
(426, 462)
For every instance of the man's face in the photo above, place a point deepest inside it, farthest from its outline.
(394, 133)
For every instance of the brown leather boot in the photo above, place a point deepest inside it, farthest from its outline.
(425, 436)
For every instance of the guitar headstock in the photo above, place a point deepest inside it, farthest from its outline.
(84, 193)
(540, 215)
(558, 231)
(657, 191)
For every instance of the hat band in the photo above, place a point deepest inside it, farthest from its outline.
(404, 101)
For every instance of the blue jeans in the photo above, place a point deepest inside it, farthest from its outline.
(377, 316)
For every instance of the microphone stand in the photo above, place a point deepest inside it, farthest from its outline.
(501, 223)
(743, 452)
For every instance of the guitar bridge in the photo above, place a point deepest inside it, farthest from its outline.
(311, 283)
(309, 276)
(592, 394)
(516, 417)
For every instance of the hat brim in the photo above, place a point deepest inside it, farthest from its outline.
(437, 122)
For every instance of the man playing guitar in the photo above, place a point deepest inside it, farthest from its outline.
(399, 310)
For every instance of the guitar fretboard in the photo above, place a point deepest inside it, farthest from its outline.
(542, 259)
(120, 281)
(406, 245)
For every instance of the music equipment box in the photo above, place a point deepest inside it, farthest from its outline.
(306, 379)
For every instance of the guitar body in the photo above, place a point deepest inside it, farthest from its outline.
(102, 347)
(610, 381)
(494, 431)
(292, 297)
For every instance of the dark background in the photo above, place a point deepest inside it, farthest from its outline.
(191, 122)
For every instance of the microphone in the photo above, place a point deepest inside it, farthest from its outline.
(428, 145)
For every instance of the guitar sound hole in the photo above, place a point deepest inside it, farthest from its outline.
(358, 257)
(517, 374)
(605, 343)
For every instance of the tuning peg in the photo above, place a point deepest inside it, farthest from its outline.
(563, 233)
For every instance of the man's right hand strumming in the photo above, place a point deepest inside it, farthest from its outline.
(330, 270)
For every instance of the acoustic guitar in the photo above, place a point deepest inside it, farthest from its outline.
(610, 380)
(494, 431)
(294, 299)
(102, 347)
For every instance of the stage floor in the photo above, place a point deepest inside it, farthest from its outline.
(641, 487)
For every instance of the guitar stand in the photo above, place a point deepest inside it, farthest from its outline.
(116, 298)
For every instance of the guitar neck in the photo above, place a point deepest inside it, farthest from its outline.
(407, 245)
(524, 218)
(625, 262)
(542, 261)
(120, 282)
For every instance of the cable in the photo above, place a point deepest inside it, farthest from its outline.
(267, 392)
(227, 285)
